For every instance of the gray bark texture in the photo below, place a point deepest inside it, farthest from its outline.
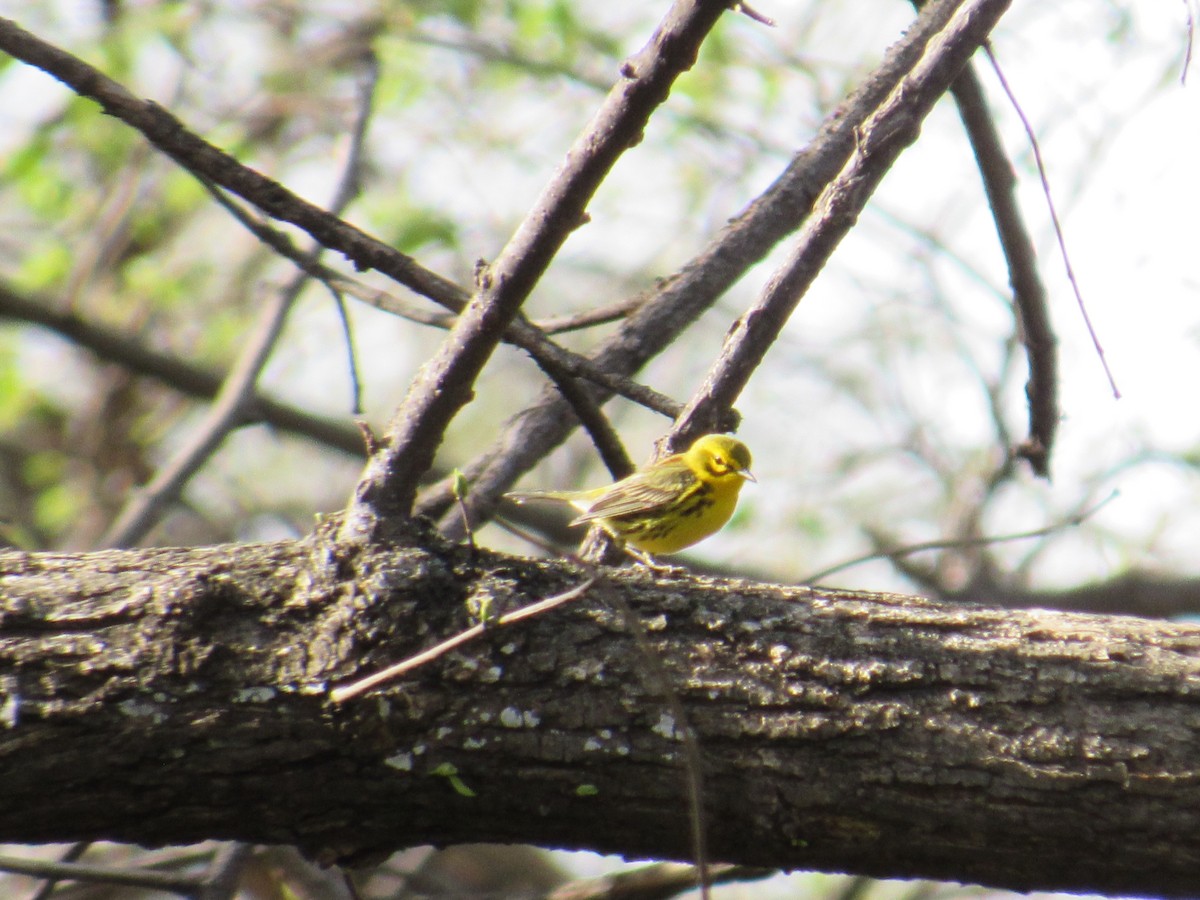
(172, 695)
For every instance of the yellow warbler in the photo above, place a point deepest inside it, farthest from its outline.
(669, 505)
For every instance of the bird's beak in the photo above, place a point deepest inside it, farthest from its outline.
(745, 473)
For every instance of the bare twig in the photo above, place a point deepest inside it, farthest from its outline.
(557, 362)
(654, 882)
(1028, 290)
(601, 315)
(224, 871)
(393, 672)
(749, 12)
(146, 506)
(339, 303)
(889, 130)
(170, 136)
(127, 877)
(72, 854)
(282, 244)
(214, 167)
(1058, 231)
(1191, 36)
(1073, 521)
(187, 378)
(604, 437)
(348, 189)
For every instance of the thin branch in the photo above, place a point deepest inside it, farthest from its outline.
(339, 303)
(1028, 291)
(654, 882)
(1072, 521)
(206, 161)
(747, 10)
(588, 318)
(349, 185)
(348, 189)
(604, 437)
(72, 854)
(556, 361)
(395, 671)
(891, 129)
(389, 483)
(224, 871)
(146, 506)
(1191, 36)
(117, 347)
(282, 244)
(1058, 231)
(126, 877)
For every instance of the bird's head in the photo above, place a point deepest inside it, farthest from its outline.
(720, 456)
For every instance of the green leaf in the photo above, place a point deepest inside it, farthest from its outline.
(450, 772)
(459, 485)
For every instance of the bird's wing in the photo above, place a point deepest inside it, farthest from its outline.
(642, 492)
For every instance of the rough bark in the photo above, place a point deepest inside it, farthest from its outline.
(171, 695)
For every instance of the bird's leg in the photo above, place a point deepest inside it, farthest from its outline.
(645, 559)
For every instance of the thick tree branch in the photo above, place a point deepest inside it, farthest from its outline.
(173, 695)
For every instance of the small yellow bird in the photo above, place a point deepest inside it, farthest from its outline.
(669, 505)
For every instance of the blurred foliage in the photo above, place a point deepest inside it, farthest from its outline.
(886, 410)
